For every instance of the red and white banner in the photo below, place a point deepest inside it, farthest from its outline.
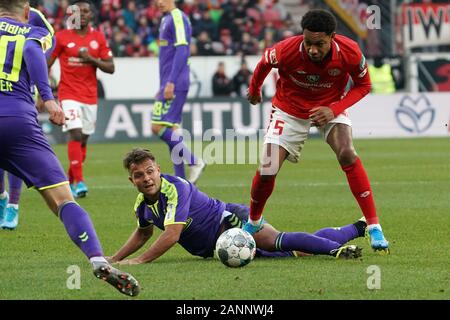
(425, 25)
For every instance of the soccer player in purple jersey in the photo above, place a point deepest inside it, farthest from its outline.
(24, 150)
(174, 40)
(194, 220)
(9, 202)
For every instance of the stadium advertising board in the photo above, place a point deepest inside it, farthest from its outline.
(376, 116)
(398, 115)
(425, 25)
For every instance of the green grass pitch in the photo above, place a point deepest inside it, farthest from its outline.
(411, 184)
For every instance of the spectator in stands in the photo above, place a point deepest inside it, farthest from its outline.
(221, 84)
(241, 80)
(204, 45)
(382, 77)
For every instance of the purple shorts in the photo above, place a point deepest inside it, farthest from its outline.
(26, 153)
(169, 112)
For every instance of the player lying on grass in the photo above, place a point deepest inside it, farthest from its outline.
(194, 220)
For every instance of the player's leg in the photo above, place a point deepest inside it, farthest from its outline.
(74, 125)
(340, 140)
(32, 159)
(12, 210)
(284, 139)
(166, 116)
(270, 239)
(81, 231)
(344, 234)
(4, 197)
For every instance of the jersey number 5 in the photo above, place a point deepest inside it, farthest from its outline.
(278, 127)
(11, 53)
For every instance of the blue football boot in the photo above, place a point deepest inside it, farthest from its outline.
(252, 229)
(3, 204)
(377, 240)
(81, 190)
(11, 218)
(74, 191)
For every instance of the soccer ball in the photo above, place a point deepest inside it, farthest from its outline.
(235, 248)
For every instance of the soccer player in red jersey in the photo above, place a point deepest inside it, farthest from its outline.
(81, 51)
(321, 75)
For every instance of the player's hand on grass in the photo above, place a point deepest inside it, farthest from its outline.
(56, 113)
(169, 91)
(253, 99)
(320, 116)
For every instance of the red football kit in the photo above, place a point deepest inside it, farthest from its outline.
(79, 81)
(304, 84)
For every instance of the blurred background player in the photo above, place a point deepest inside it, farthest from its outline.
(80, 50)
(194, 220)
(174, 40)
(316, 72)
(24, 150)
(9, 202)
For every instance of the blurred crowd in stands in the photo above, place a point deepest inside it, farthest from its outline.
(220, 27)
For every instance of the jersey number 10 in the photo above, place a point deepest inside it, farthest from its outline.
(11, 53)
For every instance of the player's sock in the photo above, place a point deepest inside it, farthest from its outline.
(304, 242)
(15, 188)
(172, 140)
(2, 183)
(175, 142)
(360, 187)
(83, 153)
(260, 192)
(70, 176)
(80, 229)
(341, 235)
(75, 160)
(274, 254)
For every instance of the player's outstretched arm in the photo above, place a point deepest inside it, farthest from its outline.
(137, 239)
(165, 241)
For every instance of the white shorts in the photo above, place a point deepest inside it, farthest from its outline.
(291, 133)
(80, 116)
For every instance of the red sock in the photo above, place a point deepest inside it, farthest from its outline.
(360, 187)
(70, 175)
(75, 159)
(83, 152)
(261, 191)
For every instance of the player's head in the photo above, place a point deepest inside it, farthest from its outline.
(86, 11)
(166, 5)
(144, 172)
(19, 9)
(319, 29)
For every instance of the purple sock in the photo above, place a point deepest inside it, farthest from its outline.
(341, 235)
(274, 254)
(80, 229)
(2, 181)
(15, 188)
(304, 242)
(178, 149)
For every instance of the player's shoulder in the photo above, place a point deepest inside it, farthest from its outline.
(173, 186)
(140, 200)
(37, 18)
(349, 48)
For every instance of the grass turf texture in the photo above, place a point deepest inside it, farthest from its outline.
(411, 184)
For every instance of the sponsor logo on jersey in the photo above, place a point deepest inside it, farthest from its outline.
(313, 78)
(71, 45)
(94, 44)
(301, 72)
(334, 72)
(273, 57)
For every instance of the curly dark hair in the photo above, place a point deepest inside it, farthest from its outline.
(319, 21)
(136, 156)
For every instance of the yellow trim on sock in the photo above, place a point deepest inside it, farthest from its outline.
(53, 185)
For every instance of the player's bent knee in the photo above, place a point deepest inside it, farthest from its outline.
(57, 196)
(347, 156)
(156, 128)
